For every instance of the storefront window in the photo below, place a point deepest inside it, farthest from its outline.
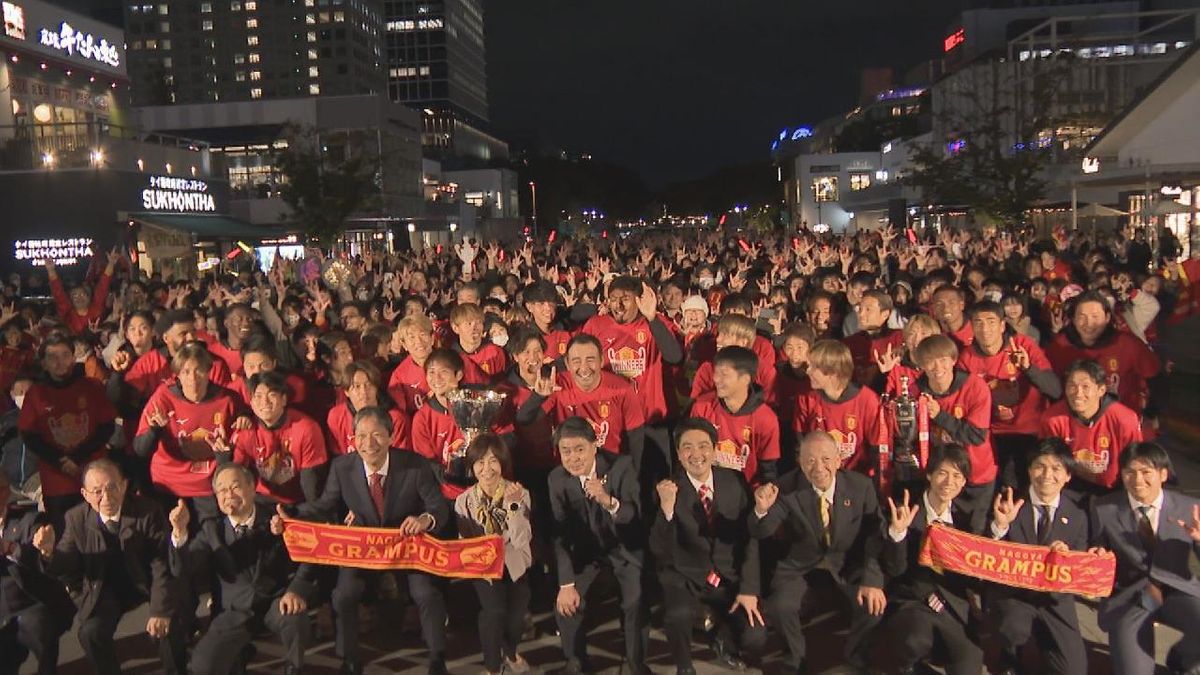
(860, 181)
(825, 188)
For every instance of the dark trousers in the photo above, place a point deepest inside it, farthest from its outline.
(353, 585)
(629, 578)
(682, 599)
(1059, 641)
(1131, 635)
(917, 630)
(502, 608)
(783, 605)
(31, 631)
(1011, 451)
(219, 652)
(96, 636)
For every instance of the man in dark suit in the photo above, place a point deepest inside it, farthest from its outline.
(1153, 533)
(113, 553)
(1044, 519)
(381, 486)
(927, 607)
(831, 526)
(35, 609)
(597, 524)
(704, 552)
(259, 585)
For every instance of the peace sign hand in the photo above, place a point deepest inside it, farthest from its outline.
(1192, 528)
(1019, 354)
(902, 516)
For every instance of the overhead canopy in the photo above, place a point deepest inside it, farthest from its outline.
(209, 226)
(1099, 211)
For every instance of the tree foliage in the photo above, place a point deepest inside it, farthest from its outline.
(327, 181)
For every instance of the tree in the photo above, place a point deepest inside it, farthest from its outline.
(327, 180)
(993, 140)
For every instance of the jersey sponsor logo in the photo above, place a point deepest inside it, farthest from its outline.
(732, 456)
(1092, 461)
(627, 361)
(69, 429)
(847, 442)
(278, 467)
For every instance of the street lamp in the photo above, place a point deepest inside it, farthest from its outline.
(533, 191)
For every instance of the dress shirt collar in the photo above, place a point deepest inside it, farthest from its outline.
(697, 483)
(248, 522)
(931, 517)
(1036, 501)
(827, 495)
(588, 476)
(383, 471)
(1155, 506)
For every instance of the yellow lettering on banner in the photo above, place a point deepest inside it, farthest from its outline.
(1038, 568)
(989, 562)
(337, 550)
(443, 559)
(354, 551)
(972, 558)
(1064, 574)
(1021, 567)
(379, 540)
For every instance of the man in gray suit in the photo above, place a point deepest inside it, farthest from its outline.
(1153, 534)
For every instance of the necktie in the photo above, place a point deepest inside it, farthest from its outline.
(377, 493)
(113, 526)
(1146, 529)
(826, 536)
(1043, 524)
(240, 531)
(706, 502)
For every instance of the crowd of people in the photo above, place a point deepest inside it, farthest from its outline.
(702, 420)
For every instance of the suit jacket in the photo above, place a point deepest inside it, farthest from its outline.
(911, 582)
(23, 578)
(1114, 527)
(410, 489)
(79, 558)
(693, 548)
(1070, 526)
(252, 570)
(583, 531)
(856, 540)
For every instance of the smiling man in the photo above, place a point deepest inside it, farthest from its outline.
(1040, 517)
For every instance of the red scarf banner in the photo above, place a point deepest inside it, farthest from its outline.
(376, 548)
(1018, 565)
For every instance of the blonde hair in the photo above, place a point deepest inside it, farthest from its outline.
(924, 322)
(738, 327)
(832, 357)
(418, 322)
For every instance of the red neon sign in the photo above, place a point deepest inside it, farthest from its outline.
(954, 39)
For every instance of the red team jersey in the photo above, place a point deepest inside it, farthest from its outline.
(436, 437)
(535, 441)
(1097, 444)
(852, 420)
(1017, 405)
(969, 400)
(340, 421)
(491, 360)
(903, 369)
(183, 460)
(409, 389)
(630, 351)
(613, 408)
(279, 455)
(745, 438)
(1127, 362)
(863, 348)
(154, 367)
(702, 381)
(64, 417)
(231, 357)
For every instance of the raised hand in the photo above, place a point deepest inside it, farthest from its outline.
(597, 492)
(1004, 509)
(155, 417)
(749, 603)
(179, 519)
(888, 360)
(1192, 528)
(931, 405)
(902, 516)
(1019, 354)
(43, 540)
(647, 302)
(545, 386)
(765, 496)
(668, 492)
(514, 493)
(277, 520)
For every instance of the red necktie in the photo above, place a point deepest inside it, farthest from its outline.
(706, 502)
(377, 493)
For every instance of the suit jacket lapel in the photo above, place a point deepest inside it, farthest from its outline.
(807, 497)
(359, 479)
(391, 485)
(840, 513)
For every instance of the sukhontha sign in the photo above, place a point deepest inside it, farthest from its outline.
(63, 252)
(375, 548)
(179, 195)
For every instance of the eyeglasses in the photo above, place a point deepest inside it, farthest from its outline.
(110, 490)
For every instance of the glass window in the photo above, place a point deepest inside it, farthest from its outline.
(825, 188)
(163, 9)
(240, 76)
(256, 93)
(314, 71)
(206, 8)
(314, 89)
(235, 6)
(860, 181)
(255, 57)
(239, 58)
(252, 40)
(251, 5)
(251, 23)
(312, 54)
(207, 24)
(255, 75)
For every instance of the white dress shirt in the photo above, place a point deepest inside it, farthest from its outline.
(1036, 502)
(1155, 509)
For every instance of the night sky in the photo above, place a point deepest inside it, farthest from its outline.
(674, 89)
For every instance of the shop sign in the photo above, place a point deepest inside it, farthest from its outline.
(64, 252)
(14, 21)
(74, 42)
(953, 40)
(181, 195)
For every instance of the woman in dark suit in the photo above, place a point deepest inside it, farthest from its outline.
(497, 505)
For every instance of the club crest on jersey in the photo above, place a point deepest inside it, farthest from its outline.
(641, 337)
(218, 418)
(747, 434)
(69, 429)
(851, 422)
(604, 409)
(1104, 443)
(958, 411)
(1113, 365)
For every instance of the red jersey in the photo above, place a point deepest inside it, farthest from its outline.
(964, 336)
(556, 342)
(903, 369)
(340, 429)
(14, 361)
(436, 437)
(746, 439)
(75, 322)
(183, 461)
(1127, 362)
(154, 367)
(279, 454)
(1097, 443)
(491, 360)
(786, 389)
(613, 408)
(630, 351)
(965, 418)
(535, 441)
(863, 348)
(296, 395)
(1017, 405)
(65, 417)
(852, 420)
(409, 389)
(1061, 270)
(232, 357)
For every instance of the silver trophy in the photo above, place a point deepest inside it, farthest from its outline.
(474, 411)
